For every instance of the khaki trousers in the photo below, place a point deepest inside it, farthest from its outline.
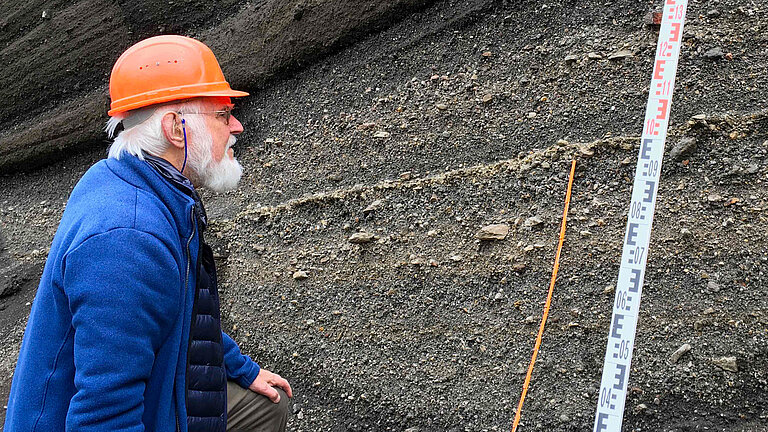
(251, 412)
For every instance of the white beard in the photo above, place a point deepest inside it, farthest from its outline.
(219, 176)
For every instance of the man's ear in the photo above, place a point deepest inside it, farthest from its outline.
(172, 129)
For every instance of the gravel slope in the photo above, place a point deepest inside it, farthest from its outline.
(425, 327)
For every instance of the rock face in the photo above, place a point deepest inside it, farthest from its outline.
(426, 326)
(56, 69)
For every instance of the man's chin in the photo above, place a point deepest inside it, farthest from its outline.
(223, 176)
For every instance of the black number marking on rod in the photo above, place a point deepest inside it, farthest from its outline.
(636, 255)
(651, 169)
(635, 280)
(621, 299)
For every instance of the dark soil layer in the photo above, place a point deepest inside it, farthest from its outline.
(460, 116)
(57, 56)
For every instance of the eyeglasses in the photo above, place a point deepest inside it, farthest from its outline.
(226, 113)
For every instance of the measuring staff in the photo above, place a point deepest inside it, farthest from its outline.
(626, 305)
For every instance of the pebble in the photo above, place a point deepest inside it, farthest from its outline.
(641, 408)
(622, 54)
(532, 222)
(381, 134)
(594, 56)
(373, 207)
(713, 286)
(683, 147)
(361, 237)
(571, 58)
(487, 98)
(684, 348)
(442, 106)
(518, 267)
(531, 115)
(493, 232)
(714, 53)
(726, 363)
(300, 275)
(652, 18)
(456, 258)
(713, 13)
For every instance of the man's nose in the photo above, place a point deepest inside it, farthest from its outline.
(235, 127)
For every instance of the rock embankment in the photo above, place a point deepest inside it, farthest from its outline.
(57, 56)
(391, 244)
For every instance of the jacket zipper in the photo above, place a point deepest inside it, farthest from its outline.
(186, 287)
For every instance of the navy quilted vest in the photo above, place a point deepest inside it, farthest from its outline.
(206, 376)
(206, 398)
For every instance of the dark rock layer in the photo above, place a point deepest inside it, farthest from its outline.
(57, 56)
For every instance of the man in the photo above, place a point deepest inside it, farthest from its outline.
(125, 334)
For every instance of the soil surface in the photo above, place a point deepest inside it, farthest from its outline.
(349, 255)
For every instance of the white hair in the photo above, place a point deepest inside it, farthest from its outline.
(147, 136)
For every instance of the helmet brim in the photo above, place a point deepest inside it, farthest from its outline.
(121, 108)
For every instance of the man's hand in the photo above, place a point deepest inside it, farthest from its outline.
(264, 382)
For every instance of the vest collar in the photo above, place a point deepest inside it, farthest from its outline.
(180, 182)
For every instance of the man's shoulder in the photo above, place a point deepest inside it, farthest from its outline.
(103, 201)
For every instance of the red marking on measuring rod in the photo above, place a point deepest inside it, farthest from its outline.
(629, 287)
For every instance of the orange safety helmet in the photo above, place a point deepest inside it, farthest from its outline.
(165, 68)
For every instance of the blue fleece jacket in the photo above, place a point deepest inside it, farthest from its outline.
(105, 348)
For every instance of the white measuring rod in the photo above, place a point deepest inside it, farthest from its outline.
(626, 305)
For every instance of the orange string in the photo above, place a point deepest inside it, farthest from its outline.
(549, 300)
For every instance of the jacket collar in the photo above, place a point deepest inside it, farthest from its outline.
(143, 175)
(171, 174)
